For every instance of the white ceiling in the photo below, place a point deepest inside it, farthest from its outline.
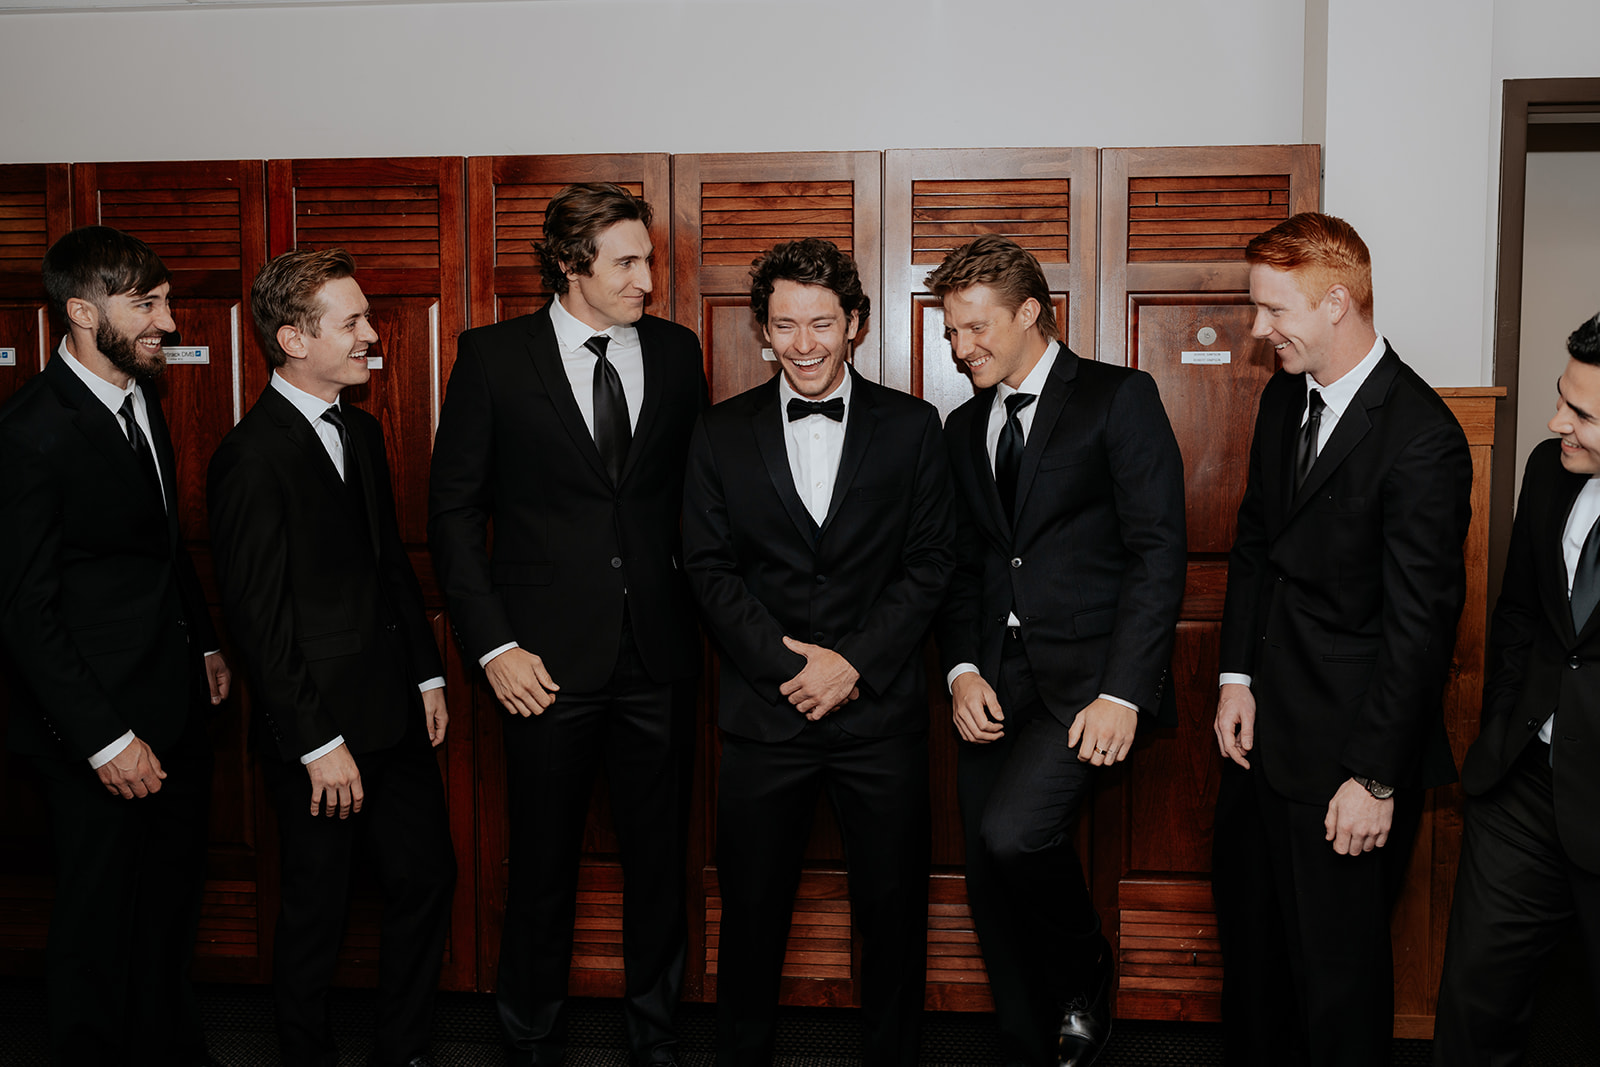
(13, 7)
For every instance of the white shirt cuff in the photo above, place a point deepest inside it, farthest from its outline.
(1233, 679)
(483, 661)
(436, 682)
(215, 652)
(318, 753)
(957, 671)
(111, 751)
(1119, 700)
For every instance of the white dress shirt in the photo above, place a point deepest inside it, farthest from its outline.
(1033, 384)
(1585, 510)
(578, 361)
(312, 408)
(1337, 398)
(814, 445)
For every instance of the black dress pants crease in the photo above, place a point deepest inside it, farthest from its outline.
(766, 797)
(1308, 965)
(1020, 797)
(129, 876)
(1517, 893)
(403, 831)
(642, 731)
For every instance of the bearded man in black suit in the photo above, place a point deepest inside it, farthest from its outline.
(818, 536)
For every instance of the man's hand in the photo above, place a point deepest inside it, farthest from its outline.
(436, 713)
(1357, 821)
(218, 677)
(826, 681)
(335, 777)
(133, 772)
(1236, 722)
(1106, 729)
(975, 709)
(520, 682)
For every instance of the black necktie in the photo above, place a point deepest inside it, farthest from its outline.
(832, 409)
(352, 466)
(1586, 579)
(1008, 452)
(1305, 450)
(611, 431)
(141, 445)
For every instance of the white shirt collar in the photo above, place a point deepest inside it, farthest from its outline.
(310, 406)
(786, 393)
(109, 395)
(1339, 395)
(572, 332)
(1034, 382)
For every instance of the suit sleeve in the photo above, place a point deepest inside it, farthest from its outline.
(1426, 499)
(743, 628)
(249, 542)
(42, 649)
(1247, 567)
(460, 502)
(958, 625)
(1147, 485)
(404, 592)
(897, 622)
(1517, 618)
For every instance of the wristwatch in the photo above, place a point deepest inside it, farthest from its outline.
(1378, 790)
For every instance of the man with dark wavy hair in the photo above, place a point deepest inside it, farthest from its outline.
(107, 632)
(568, 429)
(819, 540)
(1530, 854)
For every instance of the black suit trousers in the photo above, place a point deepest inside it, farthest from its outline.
(1020, 797)
(1517, 894)
(642, 732)
(129, 875)
(1309, 973)
(766, 797)
(403, 832)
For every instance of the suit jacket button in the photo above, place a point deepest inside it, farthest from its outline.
(817, 635)
(1573, 661)
(616, 562)
(1016, 561)
(1533, 724)
(822, 579)
(389, 626)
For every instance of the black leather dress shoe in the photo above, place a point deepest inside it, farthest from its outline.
(1086, 1023)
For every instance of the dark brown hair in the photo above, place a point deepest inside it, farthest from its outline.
(810, 261)
(95, 263)
(573, 223)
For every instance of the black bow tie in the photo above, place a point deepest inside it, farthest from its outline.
(833, 409)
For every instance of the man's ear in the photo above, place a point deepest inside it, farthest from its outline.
(84, 314)
(291, 341)
(1338, 300)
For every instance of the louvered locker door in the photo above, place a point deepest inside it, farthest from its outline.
(1174, 301)
(935, 201)
(506, 200)
(35, 209)
(404, 221)
(727, 210)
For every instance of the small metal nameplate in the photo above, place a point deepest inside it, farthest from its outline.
(8, 357)
(374, 362)
(192, 354)
(1211, 358)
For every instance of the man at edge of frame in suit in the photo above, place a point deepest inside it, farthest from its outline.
(1057, 635)
(345, 678)
(1345, 584)
(568, 429)
(818, 536)
(1530, 854)
(107, 632)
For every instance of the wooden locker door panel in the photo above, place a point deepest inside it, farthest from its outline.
(35, 210)
(935, 201)
(207, 221)
(404, 221)
(1174, 302)
(506, 201)
(728, 210)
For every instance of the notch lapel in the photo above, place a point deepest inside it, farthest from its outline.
(1352, 426)
(983, 470)
(1058, 388)
(104, 430)
(166, 462)
(545, 353)
(1550, 561)
(650, 407)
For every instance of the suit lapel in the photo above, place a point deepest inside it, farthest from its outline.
(298, 432)
(545, 352)
(1551, 561)
(766, 423)
(651, 406)
(983, 469)
(1348, 431)
(166, 462)
(104, 431)
(860, 422)
(1058, 387)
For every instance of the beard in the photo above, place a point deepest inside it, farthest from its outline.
(123, 352)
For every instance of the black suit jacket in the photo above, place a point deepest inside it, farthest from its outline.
(512, 446)
(865, 583)
(1343, 598)
(323, 605)
(1095, 549)
(100, 608)
(1539, 665)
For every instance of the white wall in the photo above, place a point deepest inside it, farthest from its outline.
(1560, 280)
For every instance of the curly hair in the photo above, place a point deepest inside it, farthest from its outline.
(573, 223)
(810, 261)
